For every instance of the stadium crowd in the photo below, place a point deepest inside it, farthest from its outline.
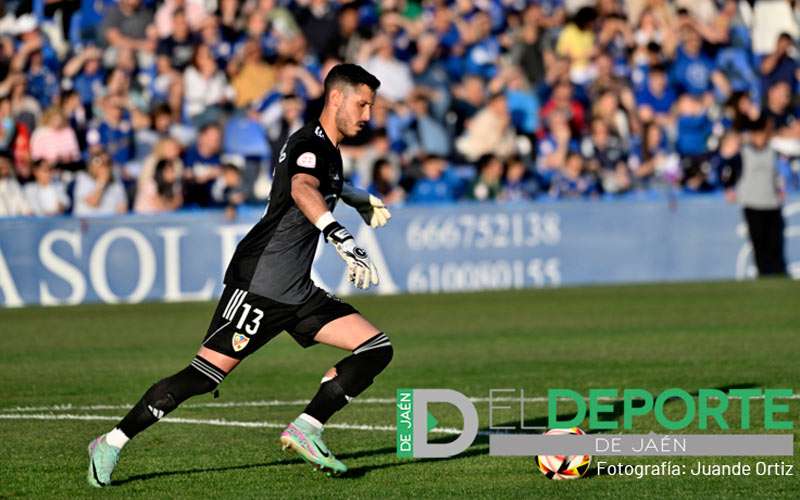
(148, 106)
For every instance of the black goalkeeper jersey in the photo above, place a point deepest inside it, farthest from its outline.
(274, 258)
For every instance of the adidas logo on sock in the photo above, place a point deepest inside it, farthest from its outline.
(156, 412)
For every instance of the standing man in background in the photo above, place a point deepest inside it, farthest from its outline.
(754, 182)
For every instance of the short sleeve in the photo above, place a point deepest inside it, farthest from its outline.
(304, 158)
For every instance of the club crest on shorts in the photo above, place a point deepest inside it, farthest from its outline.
(307, 160)
(239, 341)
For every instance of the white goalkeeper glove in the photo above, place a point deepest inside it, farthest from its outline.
(371, 208)
(360, 270)
(376, 214)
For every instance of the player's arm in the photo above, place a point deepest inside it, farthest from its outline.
(371, 208)
(305, 193)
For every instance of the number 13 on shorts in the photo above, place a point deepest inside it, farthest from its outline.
(251, 324)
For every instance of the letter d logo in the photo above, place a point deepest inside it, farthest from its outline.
(412, 423)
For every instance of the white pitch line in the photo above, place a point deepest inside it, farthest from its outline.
(240, 404)
(214, 421)
(294, 402)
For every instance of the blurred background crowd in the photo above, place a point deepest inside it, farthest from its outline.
(115, 106)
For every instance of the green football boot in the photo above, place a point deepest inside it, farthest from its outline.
(303, 438)
(102, 459)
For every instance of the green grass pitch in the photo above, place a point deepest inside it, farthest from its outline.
(101, 358)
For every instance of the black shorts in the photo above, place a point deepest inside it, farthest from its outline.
(244, 321)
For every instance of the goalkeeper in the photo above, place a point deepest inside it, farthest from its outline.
(268, 288)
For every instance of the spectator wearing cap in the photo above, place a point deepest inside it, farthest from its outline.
(46, 195)
(96, 192)
(489, 131)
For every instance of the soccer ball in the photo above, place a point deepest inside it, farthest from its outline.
(558, 467)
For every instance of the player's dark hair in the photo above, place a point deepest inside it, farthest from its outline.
(351, 75)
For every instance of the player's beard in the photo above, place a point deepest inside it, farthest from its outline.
(347, 127)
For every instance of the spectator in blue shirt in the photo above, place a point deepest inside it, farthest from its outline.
(483, 55)
(656, 98)
(113, 134)
(42, 82)
(86, 72)
(573, 180)
(437, 184)
(423, 134)
(694, 127)
(691, 70)
(202, 165)
(518, 183)
(780, 65)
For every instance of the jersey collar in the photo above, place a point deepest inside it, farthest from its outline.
(319, 131)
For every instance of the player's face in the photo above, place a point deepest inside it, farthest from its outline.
(354, 112)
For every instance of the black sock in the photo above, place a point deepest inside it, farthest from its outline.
(329, 399)
(353, 375)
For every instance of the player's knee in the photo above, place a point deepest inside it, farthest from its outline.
(200, 377)
(377, 352)
(356, 372)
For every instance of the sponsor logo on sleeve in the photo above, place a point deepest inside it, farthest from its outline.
(307, 160)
